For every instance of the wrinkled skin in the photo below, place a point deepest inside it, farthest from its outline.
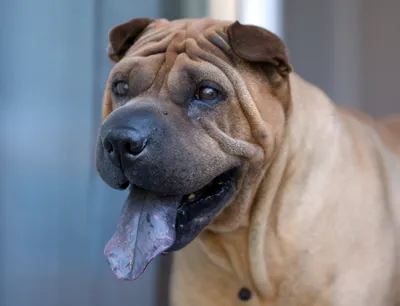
(261, 187)
(184, 143)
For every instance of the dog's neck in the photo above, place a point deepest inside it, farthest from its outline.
(308, 148)
(310, 145)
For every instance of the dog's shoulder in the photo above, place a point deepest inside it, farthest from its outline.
(389, 129)
(392, 125)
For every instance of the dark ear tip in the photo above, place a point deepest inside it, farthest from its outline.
(258, 45)
(111, 53)
(232, 27)
(123, 35)
(285, 69)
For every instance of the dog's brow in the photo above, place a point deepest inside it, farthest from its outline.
(153, 46)
(153, 36)
(213, 33)
(220, 40)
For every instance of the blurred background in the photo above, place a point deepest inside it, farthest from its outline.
(55, 213)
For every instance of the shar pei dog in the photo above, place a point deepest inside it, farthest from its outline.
(264, 190)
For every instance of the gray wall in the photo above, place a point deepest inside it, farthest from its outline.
(380, 63)
(348, 48)
(55, 213)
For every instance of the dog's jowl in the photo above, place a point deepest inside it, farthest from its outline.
(263, 190)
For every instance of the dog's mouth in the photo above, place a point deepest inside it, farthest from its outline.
(212, 191)
(151, 225)
(197, 209)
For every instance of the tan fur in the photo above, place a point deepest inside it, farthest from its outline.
(325, 226)
(316, 220)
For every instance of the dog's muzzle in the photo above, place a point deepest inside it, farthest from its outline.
(179, 180)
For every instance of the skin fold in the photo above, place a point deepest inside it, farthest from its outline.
(315, 213)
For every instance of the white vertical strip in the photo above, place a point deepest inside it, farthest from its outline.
(223, 9)
(264, 13)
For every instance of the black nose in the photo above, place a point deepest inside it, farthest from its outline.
(123, 145)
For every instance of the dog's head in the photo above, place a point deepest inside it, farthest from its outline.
(194, 111)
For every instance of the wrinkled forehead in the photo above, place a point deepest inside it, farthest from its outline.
(171, 55)
(183, 36)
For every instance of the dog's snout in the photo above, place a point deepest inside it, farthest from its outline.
(122, 145)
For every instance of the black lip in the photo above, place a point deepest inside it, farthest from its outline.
(213, 189)
(194, 215)
(124, 185)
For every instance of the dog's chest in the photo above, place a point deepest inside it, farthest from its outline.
(215, 271)
(208, 272)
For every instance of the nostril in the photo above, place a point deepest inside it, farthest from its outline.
(122, 146)
(133, 147)
(108, 146)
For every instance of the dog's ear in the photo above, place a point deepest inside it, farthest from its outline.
(123, 36)
(258, 45)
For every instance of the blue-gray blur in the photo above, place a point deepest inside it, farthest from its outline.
(56, 215)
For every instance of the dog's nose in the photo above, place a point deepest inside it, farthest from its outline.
(123, 145)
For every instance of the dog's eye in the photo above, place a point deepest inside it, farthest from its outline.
(207, 94)
(120, 88)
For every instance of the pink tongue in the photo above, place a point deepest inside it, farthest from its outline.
(146, 229)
